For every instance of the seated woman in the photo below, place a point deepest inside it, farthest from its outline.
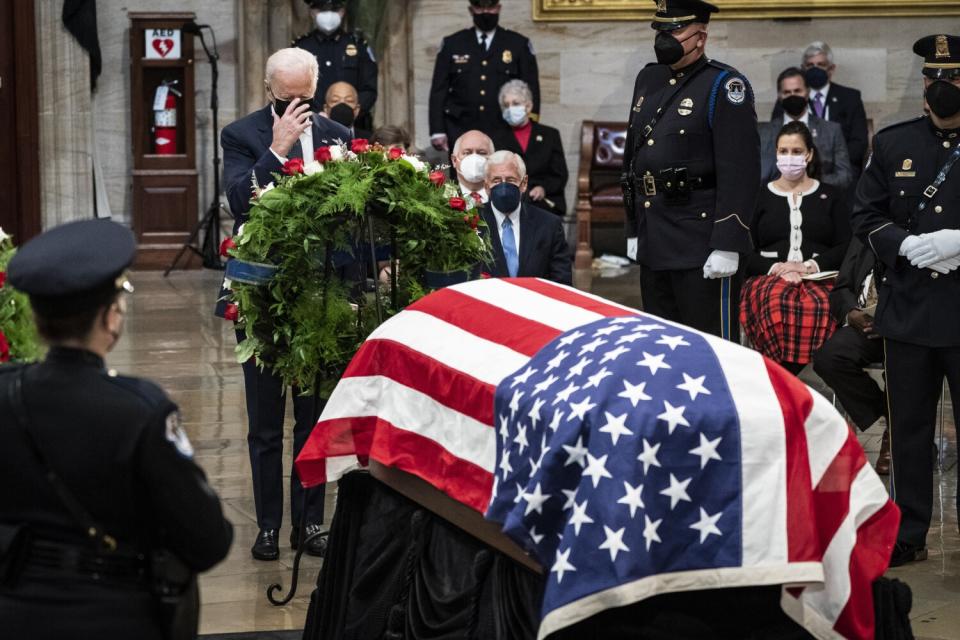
(800, 227)
(537, 144)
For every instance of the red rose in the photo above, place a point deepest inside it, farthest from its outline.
(485, 276)
(3, 278)
(395, 153)
(231, 312)
(293, 166)
(360, 145)
(4, 348)
(458, 204)
(323, 155)
(437, 178)
(226, 245)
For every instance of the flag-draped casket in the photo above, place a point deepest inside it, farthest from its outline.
(629, 455)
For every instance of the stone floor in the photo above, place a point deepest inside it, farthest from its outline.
(173, 338)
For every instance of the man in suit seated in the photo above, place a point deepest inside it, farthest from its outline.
(834, 102)
(527, 241)
(855, 345)
(827, 136)
(539, 146)
(469, 158)
(254, 149)
(342, 104)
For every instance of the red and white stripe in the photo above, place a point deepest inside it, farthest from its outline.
(419, 396)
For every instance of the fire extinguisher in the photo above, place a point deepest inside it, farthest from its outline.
(165, 119)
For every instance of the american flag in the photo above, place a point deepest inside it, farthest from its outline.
(629, 455)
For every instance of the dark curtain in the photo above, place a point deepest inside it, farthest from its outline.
(80, 19)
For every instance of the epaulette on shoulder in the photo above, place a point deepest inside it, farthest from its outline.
(902, 123)
(716, 64)
(294, 42)
(147, 391)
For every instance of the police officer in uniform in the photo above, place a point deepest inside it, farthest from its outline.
(343, 57)
(908, 211)
(691, 163)
(96, 473)
(471, 67)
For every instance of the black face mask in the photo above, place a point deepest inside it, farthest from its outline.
(343, 114)
(794, 105)
(280, 106)
(505, 197)
(943, 98)
(486, 21)
(668, 49)
(816, 77)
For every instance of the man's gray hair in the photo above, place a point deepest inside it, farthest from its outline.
(292, 59)
(506, 157)
(488, 140)
(816, 48)
(516, 86)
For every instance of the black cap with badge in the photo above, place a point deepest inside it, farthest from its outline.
(326, 5)
(675, 14)
(75, 267)
(484, 4)
(941, 56)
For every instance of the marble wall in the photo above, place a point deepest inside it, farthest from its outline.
(111, 101)
(587, 69)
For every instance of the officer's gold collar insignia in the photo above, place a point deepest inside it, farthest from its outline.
(943, 47)
(351, 50)
(639, 104)
(507, 57)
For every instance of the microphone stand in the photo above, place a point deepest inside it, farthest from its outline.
(209, 252)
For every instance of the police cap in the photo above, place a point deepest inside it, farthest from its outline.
(941, 56)
(326, 5)
(674, 14)
(74, 267)
(484, 4)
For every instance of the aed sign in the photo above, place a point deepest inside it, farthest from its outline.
(162, 44)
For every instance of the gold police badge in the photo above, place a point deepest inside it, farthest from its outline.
(507, 56)
(686, 107)
(351, 50)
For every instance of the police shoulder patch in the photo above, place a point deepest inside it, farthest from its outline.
(177, 436)
(736, 90)
(530, 45)
(373, 58)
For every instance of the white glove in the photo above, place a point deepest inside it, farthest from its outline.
(632, 249)
(946, 266)
(721, 264)
(940, 245)
(911, 245)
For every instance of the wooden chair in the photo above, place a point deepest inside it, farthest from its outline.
(599, 196)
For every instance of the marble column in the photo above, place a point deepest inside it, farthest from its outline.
(395, 99)
(66, 124)
(264, 27)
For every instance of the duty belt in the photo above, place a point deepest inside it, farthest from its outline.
(76, 560)
(652, 185)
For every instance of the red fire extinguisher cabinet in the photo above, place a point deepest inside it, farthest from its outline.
(164, 200)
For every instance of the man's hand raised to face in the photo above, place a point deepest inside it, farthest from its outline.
(288, 128)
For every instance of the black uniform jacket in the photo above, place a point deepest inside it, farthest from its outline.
(546, 164)
(845, 107)
(708, 128)
(246, 154)
(856, 266)
(543, 246)
(466, 84)
(343, 57)
(918, 306)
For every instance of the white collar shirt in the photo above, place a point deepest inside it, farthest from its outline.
(482, 192)
(805, 118)
(480, 35)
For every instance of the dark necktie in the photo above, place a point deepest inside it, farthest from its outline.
(483, 41)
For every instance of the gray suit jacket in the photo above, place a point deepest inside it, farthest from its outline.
(827, 136)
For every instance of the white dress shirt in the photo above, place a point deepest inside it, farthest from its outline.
(480, 35)
(514, 218)
(805, 118)
(466, 191)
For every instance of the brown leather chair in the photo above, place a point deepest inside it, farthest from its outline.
(600, 215)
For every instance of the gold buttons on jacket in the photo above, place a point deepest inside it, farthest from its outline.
(483, 78)
(938, 209)
(703, 214)
(482, 108)
(484, 63)
(646, 204)
(673, 81)
(650, 142)
(483, 92)
(946, 145)
(934, 275)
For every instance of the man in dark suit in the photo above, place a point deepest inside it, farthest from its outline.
(254, 148)
(539, 146)
(471, 66)
(527, 241)
(834, 102)
(342, 104)
(855, 345)
(827, 136)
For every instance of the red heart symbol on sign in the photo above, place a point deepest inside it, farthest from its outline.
(163, 46)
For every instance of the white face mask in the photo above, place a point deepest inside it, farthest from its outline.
(515, 115)
(792, 167)
(472, 167)
(328, 21)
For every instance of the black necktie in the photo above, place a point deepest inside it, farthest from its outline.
(483, 41)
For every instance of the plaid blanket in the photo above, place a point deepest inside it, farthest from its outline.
(786, 321)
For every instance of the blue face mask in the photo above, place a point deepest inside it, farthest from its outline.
(505, 197)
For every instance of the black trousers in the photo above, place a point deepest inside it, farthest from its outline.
(685, 296)
(266, 401)
(915, 376)
(840, 362)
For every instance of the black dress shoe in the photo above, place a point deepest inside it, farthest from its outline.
(904, 553)
(316, 547)
(266, 547)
